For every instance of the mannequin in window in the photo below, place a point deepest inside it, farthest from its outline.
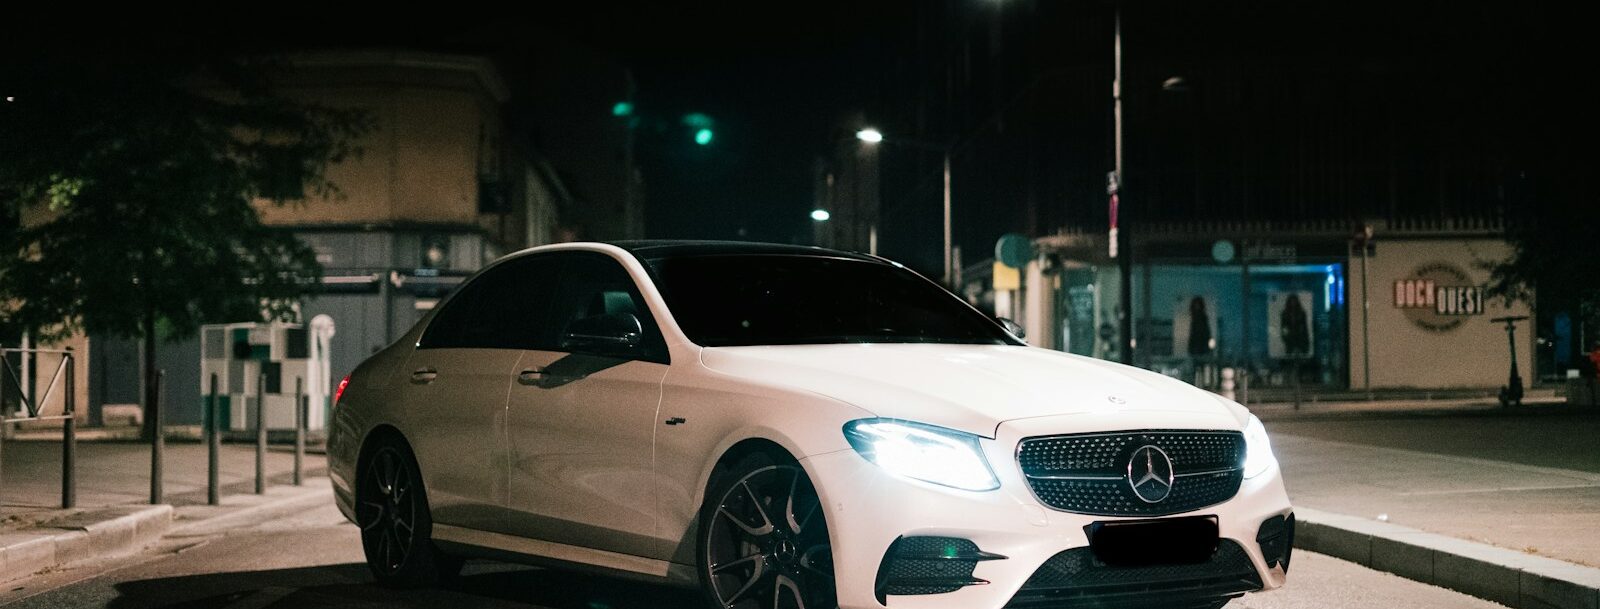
(1292, 326)
(1199, 328)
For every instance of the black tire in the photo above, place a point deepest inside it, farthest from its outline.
(396, 527)
(763, 541)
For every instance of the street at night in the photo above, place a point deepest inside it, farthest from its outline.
(313, 560)
(1359, 465)
(901, 304)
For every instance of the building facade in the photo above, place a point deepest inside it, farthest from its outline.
(444, 183)
(1287, 306)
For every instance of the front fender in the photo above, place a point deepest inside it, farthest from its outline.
(719, 412)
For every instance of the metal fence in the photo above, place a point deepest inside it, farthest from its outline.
(32, 400)
(23, 398)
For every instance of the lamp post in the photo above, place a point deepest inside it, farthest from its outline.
(1122, 247)
(873, 137)
(1119, 229)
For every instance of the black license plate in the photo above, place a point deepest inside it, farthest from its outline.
(1143, 543)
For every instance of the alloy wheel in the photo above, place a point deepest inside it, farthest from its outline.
(767, 545)
(386, 511)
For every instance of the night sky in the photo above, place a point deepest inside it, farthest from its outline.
(780, 79)
(776, 83)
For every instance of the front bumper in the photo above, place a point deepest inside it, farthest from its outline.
(868, 509)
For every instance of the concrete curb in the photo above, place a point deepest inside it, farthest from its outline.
(100, 533)
(1511, 578)
(246, 509)
(122, 530)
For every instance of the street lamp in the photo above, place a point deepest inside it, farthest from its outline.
(873, 136)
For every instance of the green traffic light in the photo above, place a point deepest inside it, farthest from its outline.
(703, 137)
(622, 108)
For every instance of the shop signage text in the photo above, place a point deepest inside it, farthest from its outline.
(1438, 297)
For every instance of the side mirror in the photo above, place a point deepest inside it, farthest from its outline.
(1013, 327)
(609, 333)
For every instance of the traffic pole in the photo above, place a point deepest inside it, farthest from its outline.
(299, 429)
(158, 441)
(261, 433)
(69, 437)
(213, 444)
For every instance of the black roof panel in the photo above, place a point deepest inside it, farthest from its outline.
(664, 248)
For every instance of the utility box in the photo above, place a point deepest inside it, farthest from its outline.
(239, 353)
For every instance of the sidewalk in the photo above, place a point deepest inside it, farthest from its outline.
(1443, 406)
(113, 516)
(118, 473)
(1500, 504)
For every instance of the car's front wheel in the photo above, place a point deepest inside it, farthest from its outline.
(763, 539)
(396, 527)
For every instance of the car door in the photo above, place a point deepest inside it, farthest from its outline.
(581, 418)
(457, 379)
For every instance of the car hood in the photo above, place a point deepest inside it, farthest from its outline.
(972, 388)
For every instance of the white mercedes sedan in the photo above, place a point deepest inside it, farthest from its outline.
(786, 427)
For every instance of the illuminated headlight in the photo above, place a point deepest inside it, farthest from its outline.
(1257, 449)
(932, 454)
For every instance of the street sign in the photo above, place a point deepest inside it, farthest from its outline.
(1222, 251)
(1113, 186)
(1006, 278)
(1013, 250)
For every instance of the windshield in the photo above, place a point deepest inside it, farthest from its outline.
(731, 300)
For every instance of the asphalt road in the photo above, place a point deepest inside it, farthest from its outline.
(313, 560)
(1564, 440)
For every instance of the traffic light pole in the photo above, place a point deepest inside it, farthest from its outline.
(949, 256)
(1124, 249)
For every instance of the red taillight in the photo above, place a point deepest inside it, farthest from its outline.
(339, 392)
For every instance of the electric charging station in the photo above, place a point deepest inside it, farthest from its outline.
(239, 353)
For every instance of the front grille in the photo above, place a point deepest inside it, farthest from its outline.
(1087, 473)
(1074, 577)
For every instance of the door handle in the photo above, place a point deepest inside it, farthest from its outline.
(424, 376)
(530, 376)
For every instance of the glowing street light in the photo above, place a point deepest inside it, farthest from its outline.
(874, 136)
(820, 215)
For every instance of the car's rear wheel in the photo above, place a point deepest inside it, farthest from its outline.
(764, 541)
(396, 527)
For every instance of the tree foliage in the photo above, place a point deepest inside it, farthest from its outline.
(135, 182)
(1555, 263)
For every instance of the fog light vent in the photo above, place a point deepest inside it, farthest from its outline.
(929, 565)
(1276, 537)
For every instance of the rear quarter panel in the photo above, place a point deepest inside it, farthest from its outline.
(368, 402)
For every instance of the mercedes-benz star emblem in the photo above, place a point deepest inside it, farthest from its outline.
(1150, 474)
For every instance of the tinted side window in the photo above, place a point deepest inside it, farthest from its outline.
(503, 308)
(595, 284)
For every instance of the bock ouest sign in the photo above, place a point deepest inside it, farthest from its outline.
(1438, 297)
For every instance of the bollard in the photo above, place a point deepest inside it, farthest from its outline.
(261, 433)
(69, 437)
(213, 444)
(158, 440)
(299, 430)
(6, 366)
